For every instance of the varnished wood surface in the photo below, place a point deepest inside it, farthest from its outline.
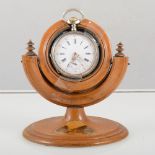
(75, 128)
(96, 130)
(52, 94)
(87, 83)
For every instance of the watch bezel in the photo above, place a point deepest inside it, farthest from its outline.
(66, 74)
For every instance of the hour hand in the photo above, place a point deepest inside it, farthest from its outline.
(71, 63)
(73, 60)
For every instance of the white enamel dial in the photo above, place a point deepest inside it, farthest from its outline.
(75, 54)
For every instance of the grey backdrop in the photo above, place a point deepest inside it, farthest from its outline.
(129, 21)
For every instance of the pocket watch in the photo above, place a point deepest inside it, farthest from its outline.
(75, 54)
(75, 68)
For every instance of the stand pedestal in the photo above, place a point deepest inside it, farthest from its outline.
(75, 129)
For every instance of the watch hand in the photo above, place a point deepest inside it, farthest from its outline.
(73, 59)
(81, 60)
(71, 63)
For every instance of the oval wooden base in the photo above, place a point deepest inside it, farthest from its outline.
(94, 131)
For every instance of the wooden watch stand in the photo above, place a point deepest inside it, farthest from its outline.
(75, 128)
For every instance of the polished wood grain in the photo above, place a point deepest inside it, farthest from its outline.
(51, 93)
(75, 128)
(95, 131)
(86, 83)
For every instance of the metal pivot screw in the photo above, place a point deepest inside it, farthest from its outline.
(119, 50)
(30, 48)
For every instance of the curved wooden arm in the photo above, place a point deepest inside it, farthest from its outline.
(115, 76)
(48, 91)
(37, 80)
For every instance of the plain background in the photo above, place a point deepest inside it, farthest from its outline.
(129, 21)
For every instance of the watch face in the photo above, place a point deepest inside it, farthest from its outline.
(75, 54)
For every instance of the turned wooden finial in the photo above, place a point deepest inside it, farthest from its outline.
(120, 50)
(30, 48)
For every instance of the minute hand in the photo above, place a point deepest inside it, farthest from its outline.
(81, 60)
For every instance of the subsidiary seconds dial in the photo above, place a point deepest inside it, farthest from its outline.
(75, 54)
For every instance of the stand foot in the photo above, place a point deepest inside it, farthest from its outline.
(81, 131)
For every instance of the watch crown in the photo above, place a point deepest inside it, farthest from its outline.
(73, 20)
